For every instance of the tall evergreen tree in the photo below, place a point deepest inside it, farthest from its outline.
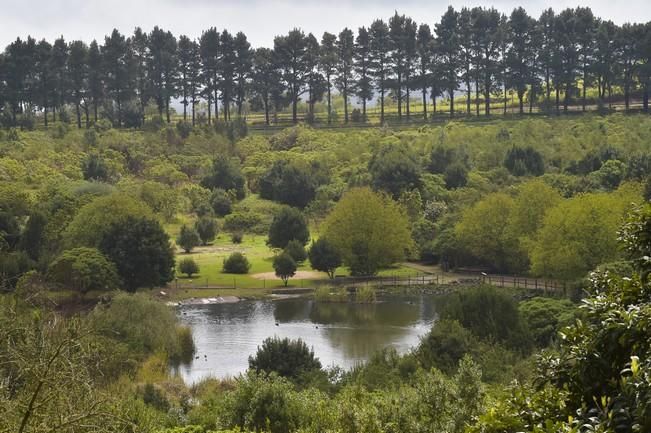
(447, 35)
(380, 48)
(78, 75)
(327, 63)
(291, 53)
(163, 68)
(116, 54)
(345, 50)
(425, 50)
(518, 56)
(266, 79)
(141, 61)
(243, 65)
(226, 68)
(43, 76)
(363, 65)
(58, 62)
(209, 53)
(95, 77)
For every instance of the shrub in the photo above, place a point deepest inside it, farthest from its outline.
(206, 228)
(220, 202)
(545, 317)
(141, 251)
(84, 269)
(288, 224)
(324, 257)
(188, 238)
(150, 326)
(94, 168)
(225, 174)
(236, 263)
(288, 358)
(241, 221)
(490, 314)
(445, 345)
(456, 176)
(296, 250)
(237, 237)
(285, 267)
(188, 267)
(184, 129)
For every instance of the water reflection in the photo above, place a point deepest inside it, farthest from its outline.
(341, 333)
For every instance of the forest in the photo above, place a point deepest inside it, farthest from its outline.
(119, 214)
(479, 58)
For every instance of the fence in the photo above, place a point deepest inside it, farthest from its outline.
(421, 279)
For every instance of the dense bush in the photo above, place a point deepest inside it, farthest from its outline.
(288, 358)
(490, 314)
(220, 202)
(324, 257)
(236, 263)
(141, 251)
(227, 175)
(284, 266)
(148, 330)
(206, 228)
(287, 225)
(188, 238)
(545, 317)
(83, 269)
(188, 267)
(296, 250)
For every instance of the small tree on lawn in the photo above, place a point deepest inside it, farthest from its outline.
(206, 228)
(285, 267)
(188, 238)
(324, 257)
(188, 267)
(289, 223)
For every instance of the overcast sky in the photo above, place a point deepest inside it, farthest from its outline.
(260, 20)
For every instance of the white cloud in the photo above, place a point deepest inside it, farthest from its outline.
(260, 20)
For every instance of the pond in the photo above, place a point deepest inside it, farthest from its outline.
(342, 334)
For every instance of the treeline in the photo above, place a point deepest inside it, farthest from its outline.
(549, 62)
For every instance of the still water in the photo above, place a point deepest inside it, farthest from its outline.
(342, 334)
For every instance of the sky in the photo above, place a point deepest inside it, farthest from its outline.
(260, 20)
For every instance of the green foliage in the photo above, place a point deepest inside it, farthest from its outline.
(524, 162)
(188, 238)
(220, 202)
(324, 257)
(83, 269)
(490, 314)
(149, 329)
(484, 231)
(94, 168)
(141, 251)
(445, 345)
(296, 250)
(261, 403)
(369, 230)
(236, 263)
(206, 228)
(545, 317)
(288, 224)
(96, 218)
(394, 169)
(284, 267)
(289, 183)
(188, 267)
(287, 358)
(242, 222)
(579, 234)
(456, 176)
(225, 174)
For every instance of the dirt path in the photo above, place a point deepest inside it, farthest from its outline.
(301, 275)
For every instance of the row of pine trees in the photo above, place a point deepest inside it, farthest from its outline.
(552, 60)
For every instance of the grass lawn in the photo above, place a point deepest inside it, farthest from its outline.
(210, 259)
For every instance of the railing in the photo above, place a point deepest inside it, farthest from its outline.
(421, 279)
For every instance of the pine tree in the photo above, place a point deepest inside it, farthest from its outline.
(345, 49)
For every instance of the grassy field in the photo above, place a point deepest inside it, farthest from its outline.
(210, 259)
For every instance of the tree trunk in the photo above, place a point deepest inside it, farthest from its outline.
(468, 97)
(345, 92)
(477, 97)
(209, 108)
(424, 103)
(78, 114)
(558, 101)
(382, 104)
(266, 110)
(329, 102)
(451, 102)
